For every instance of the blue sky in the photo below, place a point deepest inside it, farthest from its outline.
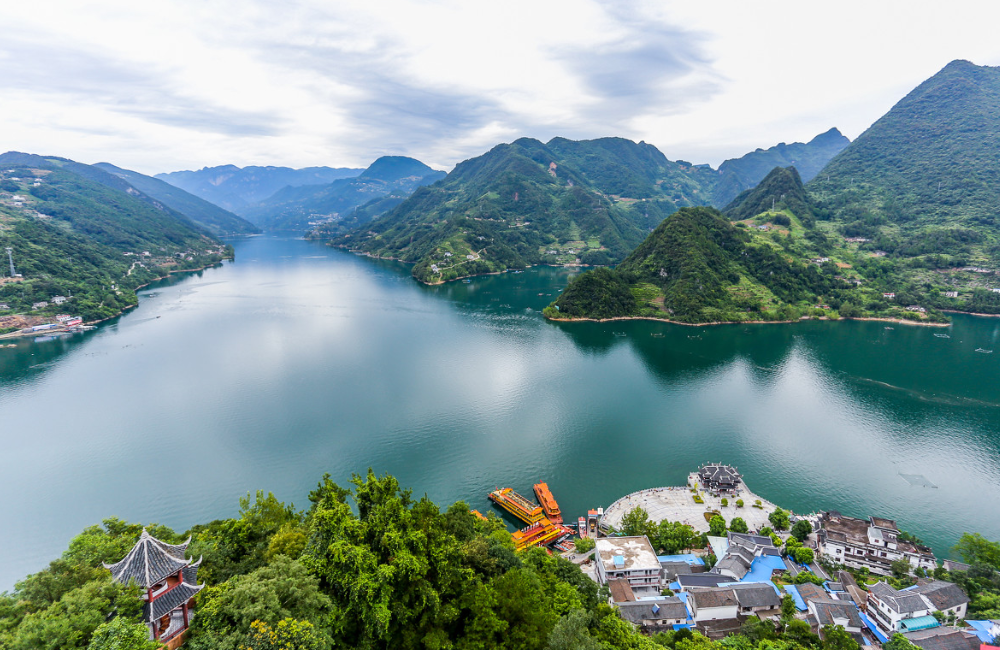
(180, 85)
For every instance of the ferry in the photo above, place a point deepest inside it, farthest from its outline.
(548, 502)
(478, 515)
(517, 505)
(581, 524)
(540, 533)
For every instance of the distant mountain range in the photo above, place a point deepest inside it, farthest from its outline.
(739, 174)
(235, 188)
(303, 207)
(80, 232)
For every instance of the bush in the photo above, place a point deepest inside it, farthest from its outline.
(739, 503)
(585, 544)
(725, 502)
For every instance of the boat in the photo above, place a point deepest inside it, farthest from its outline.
(619, 333)
(658, 335)
(581, 527)
(467, 281)
(942, 336)
(517, 505)
(984, 351)
(548, 502)
(890, 328)
(539, 533)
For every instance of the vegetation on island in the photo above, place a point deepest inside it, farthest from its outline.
(85, 240)
(370, 566)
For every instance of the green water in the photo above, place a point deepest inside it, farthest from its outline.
(298, 360)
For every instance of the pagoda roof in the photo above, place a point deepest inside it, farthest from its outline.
(149, 561)
(170, 601)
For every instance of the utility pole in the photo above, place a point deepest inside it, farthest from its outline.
(10, 256)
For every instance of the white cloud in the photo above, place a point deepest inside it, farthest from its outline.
(162, 86)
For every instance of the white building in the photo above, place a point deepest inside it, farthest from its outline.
(890, 609)
(630, 558)
(873, 544)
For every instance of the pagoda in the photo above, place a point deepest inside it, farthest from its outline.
(170, 581)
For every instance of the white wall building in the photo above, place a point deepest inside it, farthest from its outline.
(873, 544)
(632, 559)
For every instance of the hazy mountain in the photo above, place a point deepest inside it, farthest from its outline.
(207, 215)
(234, 188)
(80, 232)
(300, 208)
(527, 203)
(739, 174)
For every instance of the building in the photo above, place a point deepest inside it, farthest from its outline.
(944, 638)
(721, 479)
(632, 559)
(951, 294)
(827, 611)
(672, 566)
(890, 296)
(909, 609)
(58, 300)
(873, 544)
(655, 614)
(742, 550)
(170, 582)
(732, 601)
(39, 305)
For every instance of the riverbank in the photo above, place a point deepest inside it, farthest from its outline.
(900, 321)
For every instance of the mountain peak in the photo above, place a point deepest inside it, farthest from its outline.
(394, 168)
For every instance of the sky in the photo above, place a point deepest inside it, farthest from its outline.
(168, 85)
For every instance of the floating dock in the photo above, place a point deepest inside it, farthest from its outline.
(517, 505)
(548, 502)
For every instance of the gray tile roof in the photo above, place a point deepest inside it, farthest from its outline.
(943, 595)
(667, 609)
(828, 610)
(702, 580)
(757, 595)
(714, 597)
(149, 561)
(169, 601)
(942, 638)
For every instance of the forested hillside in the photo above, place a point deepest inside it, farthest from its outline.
(303, 207)
(525, 203)
(75, 237)
(209, 216)
(740, 174)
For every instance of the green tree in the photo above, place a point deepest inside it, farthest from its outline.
(801, 633)
(585, 544)
(787, 607)
(804, 555)
(725, 502)
(898, 642)
(900, 568)
(835, 637)
(571, 633)
(674, 537)
(976, 549)
(737, 525)
(739, 503)
(121, 634)
(801, 529)
(636, 522)
(778, 519)
(717, 526)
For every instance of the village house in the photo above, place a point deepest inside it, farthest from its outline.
(916, 308)
(58, 300)
(945, 638)
(632, 559)
(39, 305)
(912, 609)
(732, 601)
(169, 581)
(890, 296)
(951, 294)
(656, 614)
(873, 544)
(742, 550)
(827, 611)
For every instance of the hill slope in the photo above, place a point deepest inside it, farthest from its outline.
(298, 208)
(74, 236)
(235, 188)
(781, 189)
(739, 174)
(207, 215)
(526, 203)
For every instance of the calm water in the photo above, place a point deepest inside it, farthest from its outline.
(298, 360)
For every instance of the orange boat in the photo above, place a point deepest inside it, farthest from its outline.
(538, 534)
(517, 505)
(478, 515)
(548, 502)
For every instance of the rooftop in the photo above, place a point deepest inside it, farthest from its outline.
(671, 608)
(149, 562)
(627, 554)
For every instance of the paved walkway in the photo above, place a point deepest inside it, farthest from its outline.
(677, 504)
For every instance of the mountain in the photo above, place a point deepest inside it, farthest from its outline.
(781, 189)
(299, 208)
(235, 188)
(739, 174)
(77, 231)
(918, 193)
(209, 216)
(563, 202)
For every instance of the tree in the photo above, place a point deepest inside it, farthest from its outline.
(835, 637)
(778, 519)
(898, 642)
(717, 526)
(121, 634)
(900, 568)
(787, 607)
(976, 549)
(801, 529)
(801, 633)
(636, 522)
(725, 502)
(287, 634)
(803, 555)
(571, 633)
(585, 544)
(737, 525)
(739, 503)
(674, 537)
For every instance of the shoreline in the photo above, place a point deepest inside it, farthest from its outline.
(742, 322)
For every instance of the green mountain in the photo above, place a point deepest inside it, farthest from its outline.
(918, 193)
(781, 189)
(525, 203)
(299, 208)
(235, 188)
(740, 174)
(94, 241)
(698, 267)
(209, 216)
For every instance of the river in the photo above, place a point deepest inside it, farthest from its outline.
(297, 359)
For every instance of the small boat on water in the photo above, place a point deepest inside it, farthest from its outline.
(658, 335)
(942, 336)
(467, 281)
(619, 333)
(890, 328)
(984, 351)
(582, 527)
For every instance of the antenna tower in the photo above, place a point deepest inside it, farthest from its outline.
(10, 256)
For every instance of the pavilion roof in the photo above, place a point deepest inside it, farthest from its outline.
(149, 561)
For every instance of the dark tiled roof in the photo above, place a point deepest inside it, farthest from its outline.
(904, 602)
(149, 561)
(942, 638)
(723, 474)
(702, 580)
(747, 538)
(943, 595)
(667, 609)
(714, 597)
(809, 591)
(169, 601)
(828, 610)
(757, 595)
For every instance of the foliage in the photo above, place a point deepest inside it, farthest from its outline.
(585, 544)
(801, 530)
(675, 537)
(636, 522)
(287, 634)
(737, 525)
(976, 549)
(717, 526)
(121, 634)
(779, 519)
(739, 503)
